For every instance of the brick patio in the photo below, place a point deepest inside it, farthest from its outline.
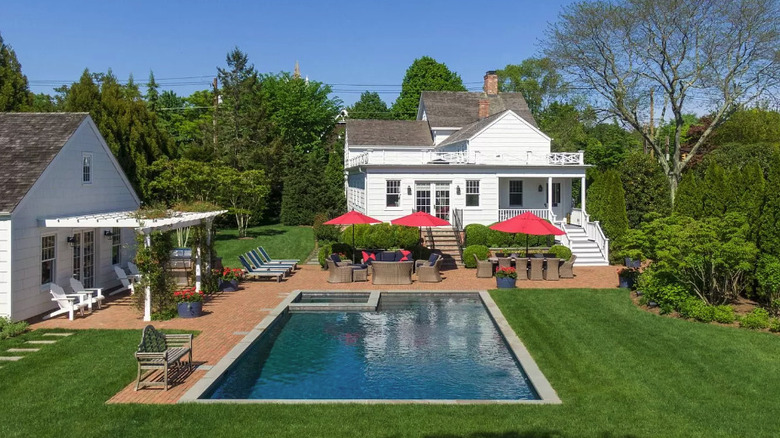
(236, 312)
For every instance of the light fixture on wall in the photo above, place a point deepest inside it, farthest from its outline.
(108, 234)
(71, 240)
(409, 190)
(540, 188)
(457, 190)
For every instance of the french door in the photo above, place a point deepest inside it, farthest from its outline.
(433, 198)
(84, 257)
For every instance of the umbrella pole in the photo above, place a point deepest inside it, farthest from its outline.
(526, 245)
(353, 243)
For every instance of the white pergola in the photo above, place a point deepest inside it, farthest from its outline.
(129, 219)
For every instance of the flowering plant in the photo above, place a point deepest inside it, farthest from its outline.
(506, 273)
(188, 295)
(232, 274)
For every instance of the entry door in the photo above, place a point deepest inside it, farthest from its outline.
(84, 257)
(433, 198)
(442, 201)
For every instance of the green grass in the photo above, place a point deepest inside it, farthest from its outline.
(281, 242)
(619, 371)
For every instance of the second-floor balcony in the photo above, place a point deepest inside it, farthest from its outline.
(416, 158)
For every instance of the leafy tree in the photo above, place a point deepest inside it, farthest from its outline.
(536, 78)
(607, 203)
(370, 106)
(44, 103)
(188, 120)
(746, 126)
(425, 74)
(14, 90)
(645, 188)
(245, 193)
(565, 124)
(724, 53)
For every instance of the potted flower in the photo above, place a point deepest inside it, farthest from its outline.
(627, 276)
(506, 278)
(189, 302)
(228, 281)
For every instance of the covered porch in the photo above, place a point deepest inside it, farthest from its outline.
(549, 197)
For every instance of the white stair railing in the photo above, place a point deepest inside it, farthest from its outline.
(596, 234)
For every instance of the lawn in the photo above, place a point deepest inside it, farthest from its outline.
(281, 242)
(619, 371)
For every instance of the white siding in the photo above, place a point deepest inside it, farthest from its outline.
(508, 135)
(5, 266)
(439, 135)
(59, 192)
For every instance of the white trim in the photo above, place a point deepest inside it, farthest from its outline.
(84, 156)
(128, 219)
(446, 128)
(41, 259)
(113, 159)
(506, 113)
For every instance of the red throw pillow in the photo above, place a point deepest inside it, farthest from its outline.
(405, 255)
(368, 256)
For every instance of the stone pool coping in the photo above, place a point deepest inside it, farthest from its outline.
(541, 385)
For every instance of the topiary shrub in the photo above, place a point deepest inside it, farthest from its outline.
(755, 320)
(482, 252)
(406, 237)
(561, 252)
(724, 314)
(476, 234)
(327, 233)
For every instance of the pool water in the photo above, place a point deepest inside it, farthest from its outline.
(413, 347)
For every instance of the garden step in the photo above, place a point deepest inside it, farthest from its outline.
(57, 334)
(40, 342)
(23, 350)
(11, 358)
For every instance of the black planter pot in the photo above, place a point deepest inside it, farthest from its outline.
(505, 282)
(228, 286)
(190, 310)
(626, 282)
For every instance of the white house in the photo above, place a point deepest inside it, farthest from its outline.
(57, 165)
(470, 157)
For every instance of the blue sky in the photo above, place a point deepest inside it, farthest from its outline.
(363, 45)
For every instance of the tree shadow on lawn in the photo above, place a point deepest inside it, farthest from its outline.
(526, 434)
(254, 234)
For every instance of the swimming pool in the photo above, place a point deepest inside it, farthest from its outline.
(414, 347)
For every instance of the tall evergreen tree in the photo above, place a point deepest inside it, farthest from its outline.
(370, 106)
(717, 193)
(152, 93)
(769, 231)
(14, 90)
(607, 203)
(645, 186)
(425, 74)
(689, 200)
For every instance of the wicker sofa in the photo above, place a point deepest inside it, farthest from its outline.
(392, 272)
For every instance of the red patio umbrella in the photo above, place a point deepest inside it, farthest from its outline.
(420, 219)
(352, 218)
(527, 223)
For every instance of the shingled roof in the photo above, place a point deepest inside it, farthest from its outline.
(28, 143)
(388, 133)
(467, 132)
(455, 109)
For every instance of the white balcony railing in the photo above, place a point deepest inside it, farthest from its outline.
(508, 213)
(399, 157)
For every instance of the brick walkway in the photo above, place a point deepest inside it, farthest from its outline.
(232, 312)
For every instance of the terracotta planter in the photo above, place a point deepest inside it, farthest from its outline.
(190, 310)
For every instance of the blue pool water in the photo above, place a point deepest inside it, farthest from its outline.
(414, 347)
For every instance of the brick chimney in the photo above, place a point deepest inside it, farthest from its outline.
(491, 83)
(484, 108)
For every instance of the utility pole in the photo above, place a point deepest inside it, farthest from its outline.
(214, 118)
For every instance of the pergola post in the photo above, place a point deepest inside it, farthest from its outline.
(197, 269)
(209, 223)
(148, 291)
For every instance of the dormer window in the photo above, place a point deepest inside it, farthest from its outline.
(86, 168)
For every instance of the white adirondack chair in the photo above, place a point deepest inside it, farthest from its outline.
(126, 282)
(68, 303)
(93, 294)
(133, 269)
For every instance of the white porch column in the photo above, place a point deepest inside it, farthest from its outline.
(197, 269)
(208, 244)
(582, 196)
(148, 297)
(549, 197)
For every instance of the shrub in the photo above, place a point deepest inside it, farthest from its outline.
(420, 252)
(607, 203)
(322, 232)
(341, 248)
(9, 329)
(481, 251)
(361, 235)
(476, 234)
(724, 314)
(697, 309)
(325, 251)
(380, 236)
(561, 252)
(774, 325)
(755, 320)
(499, 239)
(768, 276)
(656, 287)
(406, 237)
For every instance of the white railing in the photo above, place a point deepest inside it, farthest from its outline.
(508, 213)
(391, 157)
(579, 217)
(595, 233)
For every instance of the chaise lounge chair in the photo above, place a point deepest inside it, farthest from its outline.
(258, 264)
(68, 303)
(269, 259)
(251, 272)
(78, 288)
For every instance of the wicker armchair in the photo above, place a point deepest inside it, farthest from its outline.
(484, 268)
(430, 274)
(551, 273)
(392, 272)
(521, 265)
(567, 268)
(339, 274)
(504, 262)
(537, 269)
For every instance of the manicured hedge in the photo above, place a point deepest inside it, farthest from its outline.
(481, 251)
(381, 236)
(477, 234)
(328, 233)
(561, 252)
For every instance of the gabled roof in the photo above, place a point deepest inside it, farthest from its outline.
(469, 131)
(28, 143)
(459, 108)
(388, 133)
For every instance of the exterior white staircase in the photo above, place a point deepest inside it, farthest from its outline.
(587, 251)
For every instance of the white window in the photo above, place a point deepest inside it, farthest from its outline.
(393, 193)
(116, 245)
(516, 192)
(472, 193)
(48, 258)
(86, 168)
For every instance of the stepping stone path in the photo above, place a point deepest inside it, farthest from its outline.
(31, 350)
(57, 334)
(22, 350)
(40, 342)
(10, 358)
